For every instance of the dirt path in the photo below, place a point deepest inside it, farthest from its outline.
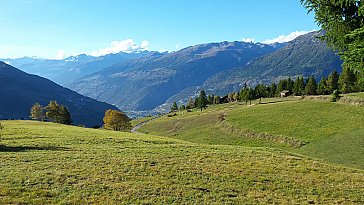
(135, 129)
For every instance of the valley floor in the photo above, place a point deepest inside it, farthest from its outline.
(47, 163)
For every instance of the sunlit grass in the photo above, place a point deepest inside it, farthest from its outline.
(326, 128)
(46, 163)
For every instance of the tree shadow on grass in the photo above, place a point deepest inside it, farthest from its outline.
(4, 148)
(272, 102)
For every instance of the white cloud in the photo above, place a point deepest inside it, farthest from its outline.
(248, 40)
(7, 62)
(177, 46)
(60, 55)
(127, 45)
(285, 38)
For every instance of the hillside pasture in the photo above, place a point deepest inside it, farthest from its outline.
(47, 163)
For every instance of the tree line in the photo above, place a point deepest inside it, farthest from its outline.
(53, 112)
(347, 82)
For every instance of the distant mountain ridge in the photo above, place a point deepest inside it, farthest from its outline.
(145, 83)
(145, 80)
(19, 91)
(306, 55)
(66, 70)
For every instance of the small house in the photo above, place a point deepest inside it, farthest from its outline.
(284, 93)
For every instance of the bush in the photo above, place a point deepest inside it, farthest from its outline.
(335, 96)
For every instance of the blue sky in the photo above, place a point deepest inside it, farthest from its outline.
(59, 28)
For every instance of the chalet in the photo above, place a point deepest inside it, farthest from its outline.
(284, 93)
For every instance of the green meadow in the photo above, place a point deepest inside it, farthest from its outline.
(47, 163)
(332, 132)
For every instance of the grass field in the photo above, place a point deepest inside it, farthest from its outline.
(137, 121)
(46, 163)
(358, 95)
(330, 131)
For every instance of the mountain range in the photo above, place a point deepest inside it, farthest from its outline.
(19, 91)
(145, 83)
(306, 55)
(146, 80)
(66, 70)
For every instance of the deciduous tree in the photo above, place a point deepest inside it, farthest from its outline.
(343, 23)
(37, 112)
(116, 120)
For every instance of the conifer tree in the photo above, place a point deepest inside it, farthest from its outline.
(174, 107)
(182, 108)
(347, 81)
(190, 104)
(322, 87)
(260, 92)
(282, 85)
(333, 82)
(272, 90)
(299, 86)
(311, 86)
(65, 116)
(202, 100)
(290, 84)
(212, 101)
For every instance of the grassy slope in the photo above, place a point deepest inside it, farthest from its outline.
(137, 121)
(328, 127)
(45, 163)
(358, 95)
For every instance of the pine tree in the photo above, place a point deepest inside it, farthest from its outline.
(282, 85)
(202, 100)
(322, 87)
(37, 112)
(65, 116)
(299, 86)
(311, 86)
(290, 84)
(260, 92)
(347, 81)
(333, 82)
(182, 108)
(190, 104)
(174, 107)
(273, 89)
